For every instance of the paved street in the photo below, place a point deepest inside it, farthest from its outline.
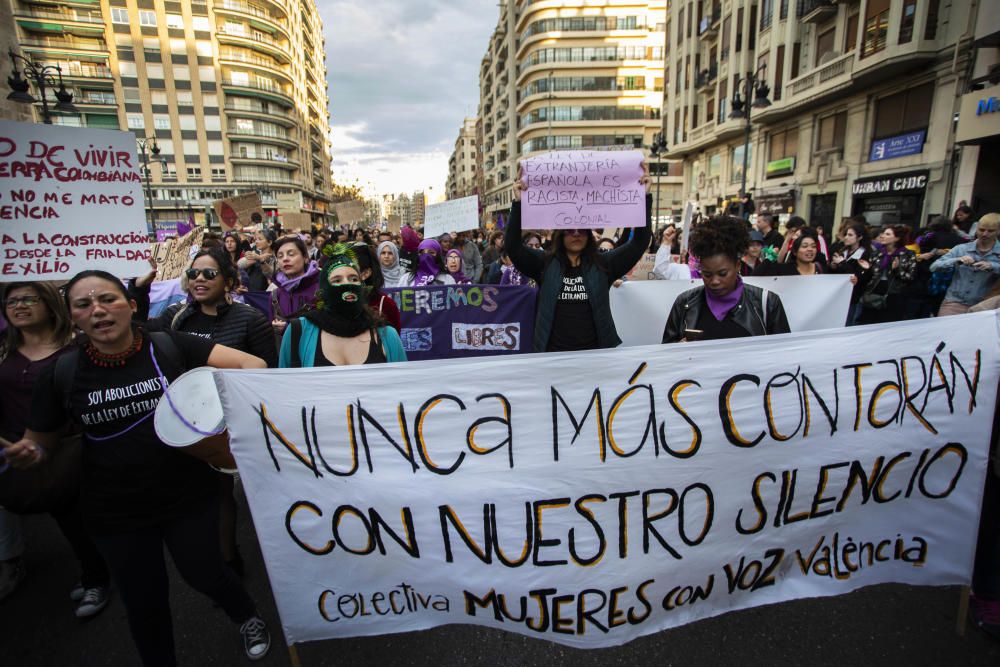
(879, 625)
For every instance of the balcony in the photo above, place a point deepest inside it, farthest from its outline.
(269, 159)
(815, 11)
(272, 66)
(262, 89)
(60, 44)
(77, 70)
(706, 77)
(259, 111)
(61, 15)
(256, 40)
(258, 134)
(708, 28)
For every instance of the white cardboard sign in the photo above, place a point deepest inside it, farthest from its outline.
(454, 215)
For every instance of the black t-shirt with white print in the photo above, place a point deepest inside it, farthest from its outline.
(132, 480)
(573, 325)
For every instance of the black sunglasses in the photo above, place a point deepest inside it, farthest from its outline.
(210, 274)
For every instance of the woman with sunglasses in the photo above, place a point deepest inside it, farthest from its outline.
(211, 313)
(38, 333)
(573, 311)
(138, 494)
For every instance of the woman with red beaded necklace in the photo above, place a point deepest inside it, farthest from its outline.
(138, 495)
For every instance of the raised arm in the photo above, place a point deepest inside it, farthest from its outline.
(527, 260)
(621, 260)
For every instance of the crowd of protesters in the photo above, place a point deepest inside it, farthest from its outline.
(327, 296)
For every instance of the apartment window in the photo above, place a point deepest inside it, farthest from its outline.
(739, 30)
(209, 100)
(710, 110)
(169, 170)
(161, 121)
(154, 71)
(824, 45)
(131, 95)
(680, 26)
(119, 15)
(200, 23)
(126, 68)
(178, 45)
(194, 172)
(203, 48)
(214, 147)
(784, 10)
(851, 33)
(723, 100)
(206, 73)
(736, 163)
(122, 39)
(766, 13)
(182, 73)
(135, 121)
(184, 97)
(218, 173)
(906, 111)
(166, 146)
(727, 26)
(779, 72)
(796, 59)
(175, 21)
(930, 29)
(783, 144)
(147, 18)
(212, 123)
(151, 44)
(158, 97)
(831, 132)
(188, 122)
(876, 27)
(191, 147)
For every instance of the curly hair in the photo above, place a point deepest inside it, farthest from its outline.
(721, 235)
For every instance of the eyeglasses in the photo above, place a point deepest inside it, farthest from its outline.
(210, 274)
(16, 301)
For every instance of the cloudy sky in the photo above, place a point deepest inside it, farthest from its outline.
(403, 74)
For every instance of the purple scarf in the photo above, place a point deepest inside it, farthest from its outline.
(459, 276)
(887, 258)
(721, 305)
(427, 266)
(511, 276)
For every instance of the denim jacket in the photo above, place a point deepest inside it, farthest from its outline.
(969, 286)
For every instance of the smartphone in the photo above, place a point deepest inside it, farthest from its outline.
(693, 334)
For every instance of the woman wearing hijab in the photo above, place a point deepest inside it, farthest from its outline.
(388, 259)
(341, 330)
(428, 270)
(455, 264)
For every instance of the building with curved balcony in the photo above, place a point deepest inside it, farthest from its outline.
(562, 75)
(233, 91)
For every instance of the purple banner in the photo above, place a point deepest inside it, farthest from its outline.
(447, 321)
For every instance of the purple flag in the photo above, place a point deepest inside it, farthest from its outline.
(183, 228)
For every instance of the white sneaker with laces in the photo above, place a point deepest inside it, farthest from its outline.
(77, 593)
(256, 638)
(93, 601)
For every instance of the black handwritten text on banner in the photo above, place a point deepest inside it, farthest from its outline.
(590, 498)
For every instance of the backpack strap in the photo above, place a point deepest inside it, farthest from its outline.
(167, 350)
(296, 326)
(63, 375)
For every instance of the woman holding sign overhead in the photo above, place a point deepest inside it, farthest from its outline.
(573, 311)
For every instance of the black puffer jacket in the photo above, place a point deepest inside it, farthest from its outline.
(237, 325)
(748, 313)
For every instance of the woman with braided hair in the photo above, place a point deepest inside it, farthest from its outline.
(342, 330)
(723, 307)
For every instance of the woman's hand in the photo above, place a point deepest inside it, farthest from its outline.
(645, 181)
(519, 185)
(278, 326)
(982, 265)
(967, 260)
(895, 264)
(864, 264)
(148, 278)
(24, 454)
(854, 279)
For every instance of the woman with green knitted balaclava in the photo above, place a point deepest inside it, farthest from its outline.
(341, 330)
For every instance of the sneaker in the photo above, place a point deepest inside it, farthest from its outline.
(256, 638)
(986, 615)
(12, 573)
(93, 601)
(77, 593)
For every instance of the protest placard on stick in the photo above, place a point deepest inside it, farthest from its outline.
(239, 211)
(173, 255)
(454, 215)
(350, 213)
(591, 498)
(583, 190)
(70, 199)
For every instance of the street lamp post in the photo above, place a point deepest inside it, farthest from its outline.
(43, 76)
(150, 144)
(657, 150)
(741, 108)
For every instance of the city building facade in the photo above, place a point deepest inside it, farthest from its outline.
(571, 75)
(462, 163)
(233, 92)
(855, 114)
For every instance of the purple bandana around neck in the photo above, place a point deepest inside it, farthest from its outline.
(427, 266)
(721, 305)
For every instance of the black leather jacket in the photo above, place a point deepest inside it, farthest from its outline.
(237, 325)
(748, 313)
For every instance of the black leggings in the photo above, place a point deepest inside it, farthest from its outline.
(140, 574)
(93, 570)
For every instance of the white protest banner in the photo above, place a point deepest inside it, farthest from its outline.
(454, 215)
(590, 498)
(811, 303)
(70, 199)
(583, 189)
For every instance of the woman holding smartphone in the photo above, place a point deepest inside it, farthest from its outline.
(724, 306)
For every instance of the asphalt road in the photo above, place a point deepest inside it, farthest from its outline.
(891, 625)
